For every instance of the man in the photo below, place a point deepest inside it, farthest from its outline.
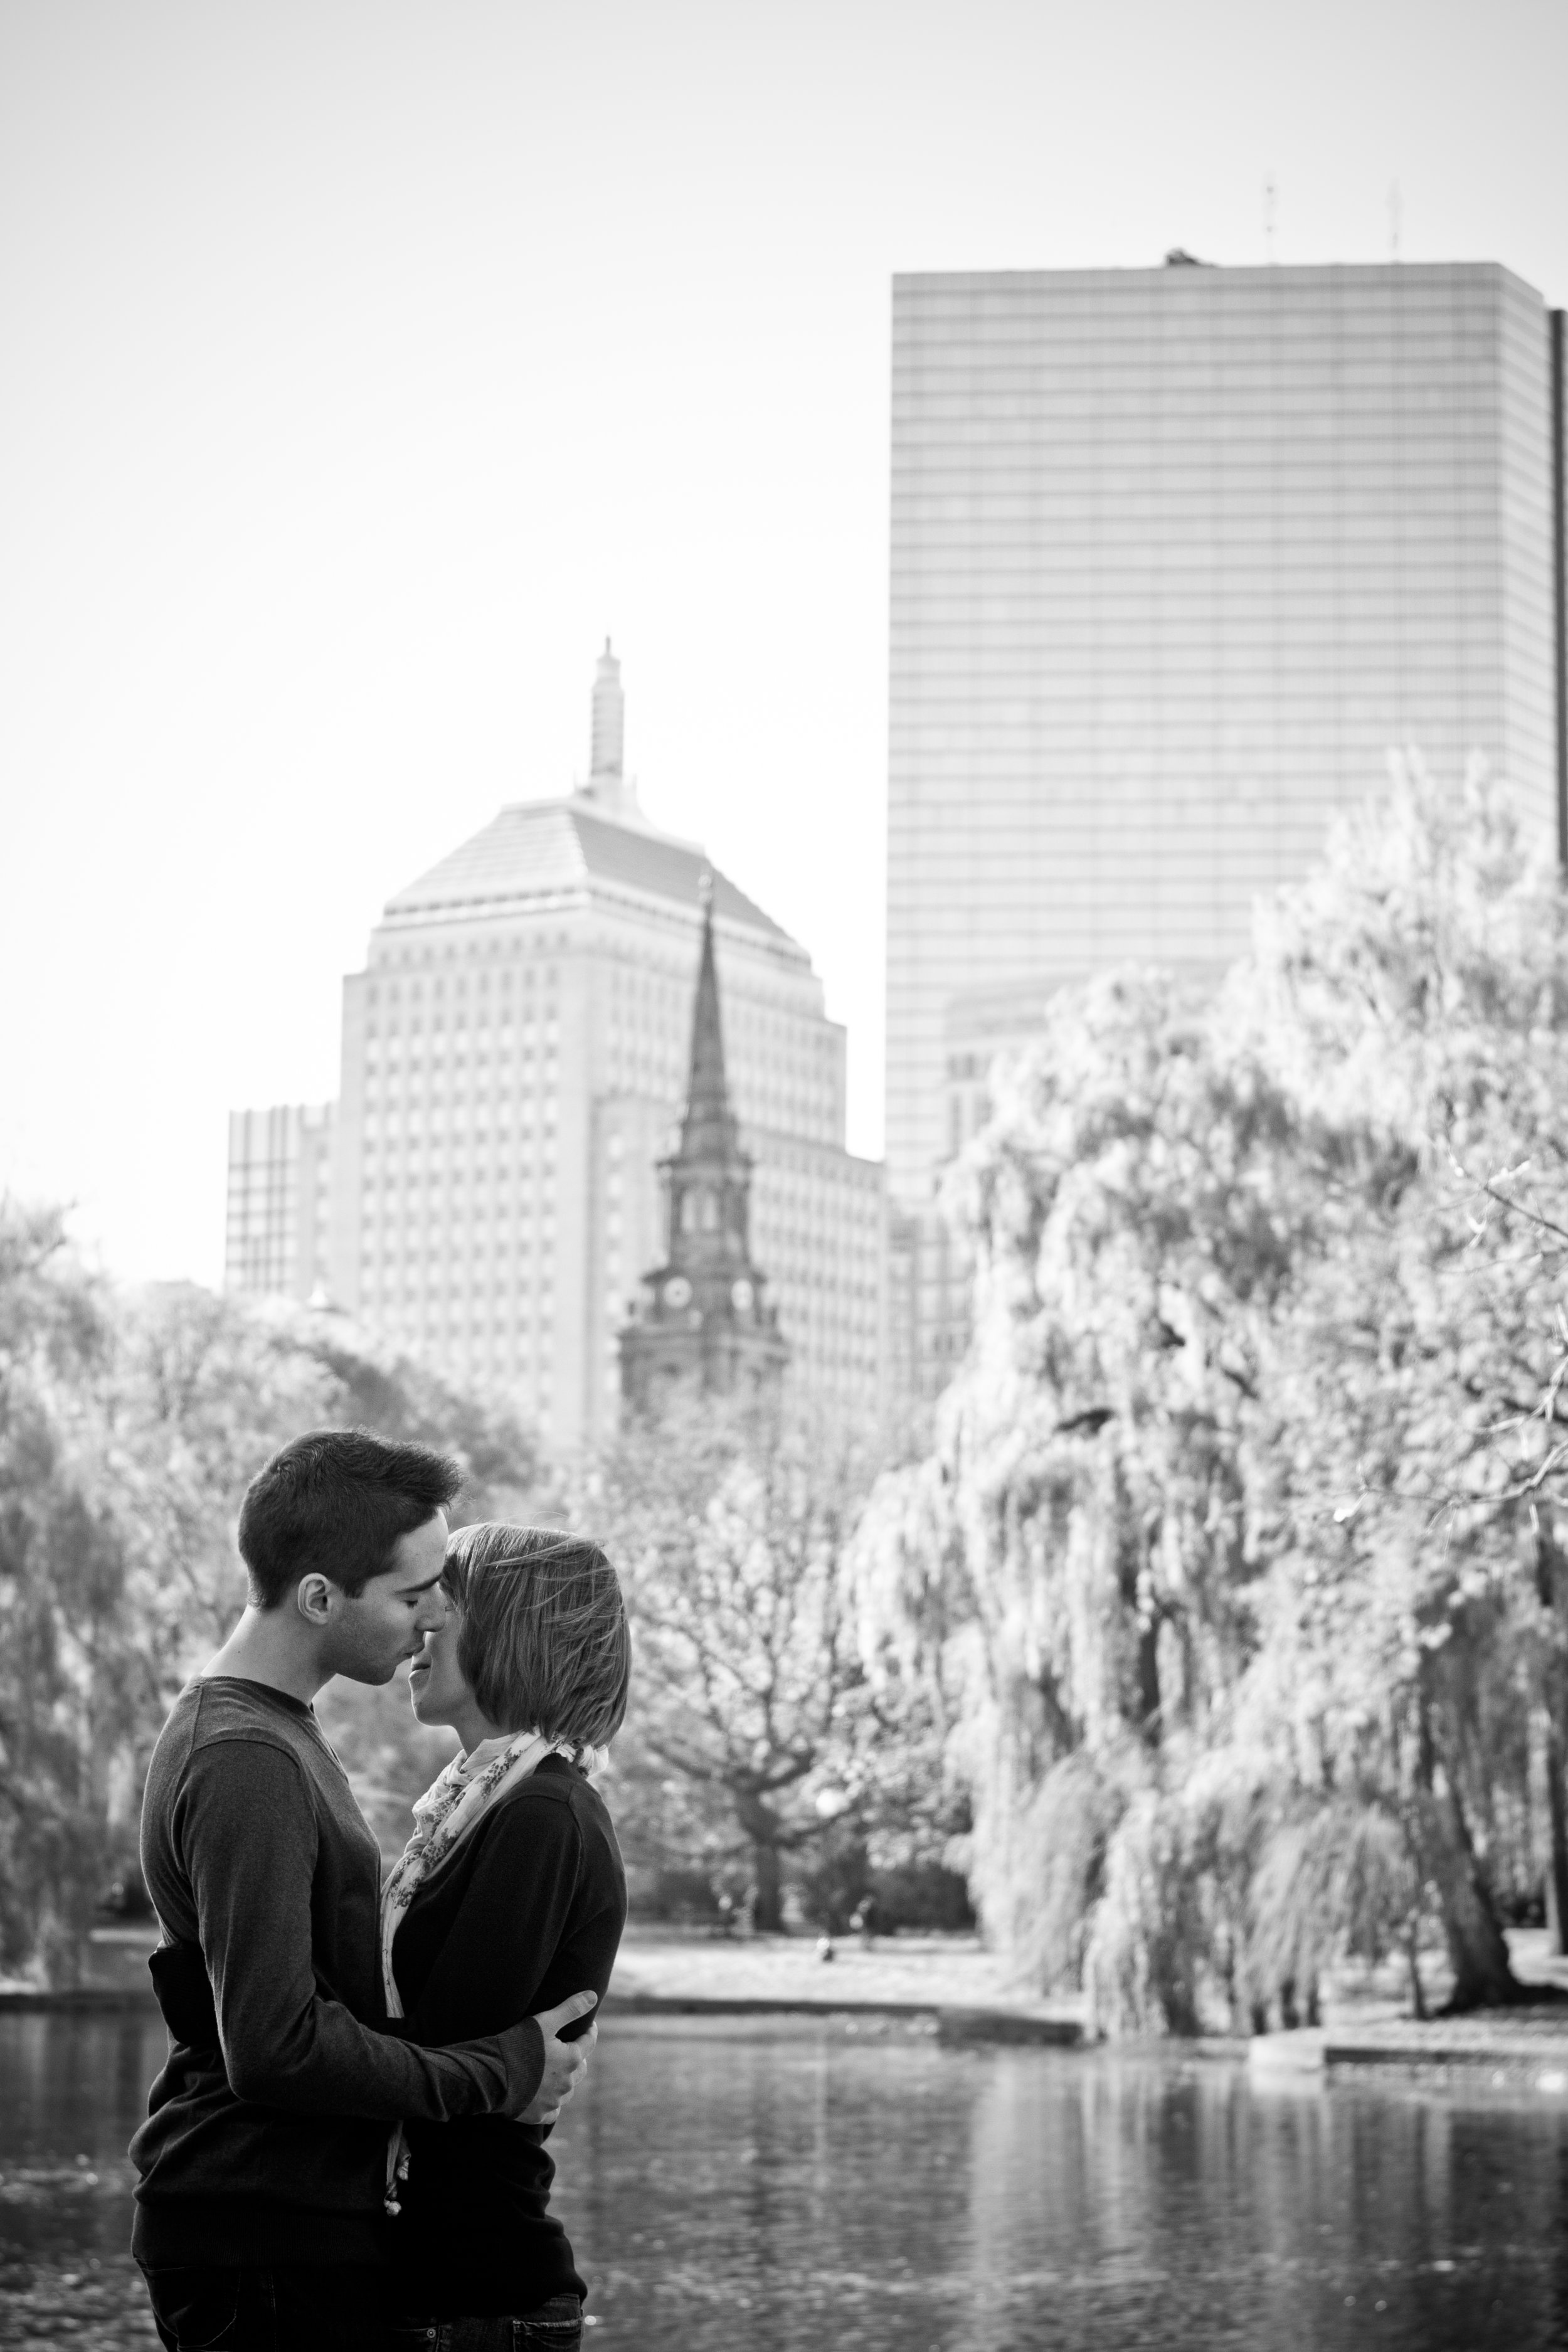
(261, 2200)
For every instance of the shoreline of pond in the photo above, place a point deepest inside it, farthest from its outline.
(1519, 2050)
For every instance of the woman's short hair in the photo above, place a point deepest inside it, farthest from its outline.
(542, 1639)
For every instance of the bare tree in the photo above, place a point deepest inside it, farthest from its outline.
(730, 1531)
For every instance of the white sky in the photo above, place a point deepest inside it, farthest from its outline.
(366, 363)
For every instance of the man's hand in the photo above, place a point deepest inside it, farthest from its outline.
(565, 2063)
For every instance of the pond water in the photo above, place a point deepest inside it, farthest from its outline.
(787, 2185)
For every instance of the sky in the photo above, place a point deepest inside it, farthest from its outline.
(367, 364)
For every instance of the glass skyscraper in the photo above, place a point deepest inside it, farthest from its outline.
(1177, 555)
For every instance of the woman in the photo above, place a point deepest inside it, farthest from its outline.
(511, 1886)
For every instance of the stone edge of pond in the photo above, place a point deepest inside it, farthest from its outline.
(949, 2024)
(1484, 2051)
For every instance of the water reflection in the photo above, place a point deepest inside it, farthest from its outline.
(779, 2186)
(894, 2196)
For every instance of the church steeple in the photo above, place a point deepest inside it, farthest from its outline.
(708, 1125)
(705, 1326)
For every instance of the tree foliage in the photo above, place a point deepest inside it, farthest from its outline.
(1226, 1615)
(130, 1423)
(755, 1732)
(1237, 1564)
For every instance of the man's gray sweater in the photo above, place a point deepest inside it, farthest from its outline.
(266, 2142)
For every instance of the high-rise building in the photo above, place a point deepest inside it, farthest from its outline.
(278, 1222)
(514, 1057)
(705, 1326)
(1178, 555)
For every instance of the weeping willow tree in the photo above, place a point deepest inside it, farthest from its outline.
(1079, 1562)
(1419, 983)
(1235, 1560)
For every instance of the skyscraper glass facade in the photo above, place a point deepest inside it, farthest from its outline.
(1178, 555)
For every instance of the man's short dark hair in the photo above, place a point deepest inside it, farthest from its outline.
(335, 1503)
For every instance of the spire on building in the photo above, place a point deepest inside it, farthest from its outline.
(705, 1328)
(609, 720)
(608, 786)
(708, 1127)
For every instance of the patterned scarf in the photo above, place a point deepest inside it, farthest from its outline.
(442, 1817)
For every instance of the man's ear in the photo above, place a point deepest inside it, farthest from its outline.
(313, 1598)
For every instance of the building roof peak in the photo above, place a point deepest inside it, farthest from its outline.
(540, 849)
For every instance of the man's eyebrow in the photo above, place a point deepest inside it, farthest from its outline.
(402, 1591)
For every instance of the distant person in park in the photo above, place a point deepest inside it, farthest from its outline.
(510, 1895)
(261, 2204)
(866, 1920)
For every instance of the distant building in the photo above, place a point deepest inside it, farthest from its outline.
(279, 1223)
(1176, 555)
(514, 1057)
(706, 1326)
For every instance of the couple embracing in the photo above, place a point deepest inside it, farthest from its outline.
(345, 2148)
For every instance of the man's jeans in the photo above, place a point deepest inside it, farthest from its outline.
(556, 2326)
(203, 2309)
(200, 2309)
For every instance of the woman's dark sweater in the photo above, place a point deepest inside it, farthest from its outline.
(528, 1909)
